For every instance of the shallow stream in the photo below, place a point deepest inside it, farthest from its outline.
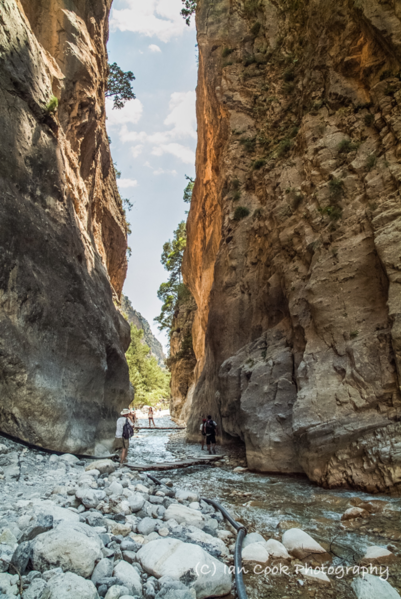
(271, 504)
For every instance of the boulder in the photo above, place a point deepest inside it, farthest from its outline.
(255, 552)
(104, 466)
(354, 512)
(373, 587)
(21, 556)
(129, 577)
(184, 515)
(277, 549)
(69, 586)
(377, 555)
(69, 458)
(35, 589)
(75, 548)
(42, 523)
(213, 544)
(301, 545)
(252, 537)
(59, 514)
(315, 575)
(115, 488)
(208, 576)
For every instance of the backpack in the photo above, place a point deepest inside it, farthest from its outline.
(209, 427)
(127, 430)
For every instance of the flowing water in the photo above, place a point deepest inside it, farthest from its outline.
(271, 504)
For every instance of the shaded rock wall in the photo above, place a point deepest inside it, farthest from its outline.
(297, 332)
(63, 374)
(181, 360)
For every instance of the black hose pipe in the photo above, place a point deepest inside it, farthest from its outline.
(241, 534)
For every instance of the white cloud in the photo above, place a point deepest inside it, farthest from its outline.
(125, 183)
(183, 153)
(154, 48)
(162, 171)
(152, 18)
(182, 114)
(130, 113)
(136, 150)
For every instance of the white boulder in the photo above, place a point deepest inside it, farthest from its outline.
(252, 537)
(377, 555)
(255, 552)
(301, 545)
(199, 536)
(90, 497)
(315, 575)
(184, 515)
(104, 466)
(136, 502)
(277, 549)
(73, 547)
(354, 512)
(174, 558)
(187, 495)
(373, 587)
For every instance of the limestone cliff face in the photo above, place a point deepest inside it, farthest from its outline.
(293, 252)
(63, 374)
(134, 317)
(181, 361)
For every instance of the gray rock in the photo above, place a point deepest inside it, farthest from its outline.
(129, 544)
(103, 569)
(69, 586)
(146, 526)
(21, 556)
(116, 591)
(373, 587)
(136, 502)
(35, 589)
(50, 573)
(43, 523)
(129, 577)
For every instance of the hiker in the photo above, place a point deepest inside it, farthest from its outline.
(124, 432)
(211, 431)
(150, 416)
(203, 432)
(132, 417)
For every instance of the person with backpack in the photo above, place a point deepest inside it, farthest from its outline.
(124, 432)
(203, 432)
(211, 431)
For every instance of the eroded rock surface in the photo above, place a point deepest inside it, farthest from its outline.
(62, 230)
(293, 236)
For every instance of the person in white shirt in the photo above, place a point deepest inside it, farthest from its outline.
(120, 442)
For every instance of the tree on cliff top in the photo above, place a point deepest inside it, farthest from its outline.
(188, 10)
(151, 382)
(119, 86)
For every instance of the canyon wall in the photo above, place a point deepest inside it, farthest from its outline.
(294, 254)
(63, 374)
(136, 318)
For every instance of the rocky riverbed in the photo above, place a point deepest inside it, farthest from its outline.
(84, 529)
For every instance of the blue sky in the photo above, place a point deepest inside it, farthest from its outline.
(154, 136)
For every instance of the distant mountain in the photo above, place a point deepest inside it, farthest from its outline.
(134, 317)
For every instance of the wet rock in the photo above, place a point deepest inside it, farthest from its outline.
(129, 577)
(71, 547)
(373, 587)
(302, 546)
(178, 560)
(377, 555)
(255, 552)
(184, 515)
(354, 512)
(69, 586)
